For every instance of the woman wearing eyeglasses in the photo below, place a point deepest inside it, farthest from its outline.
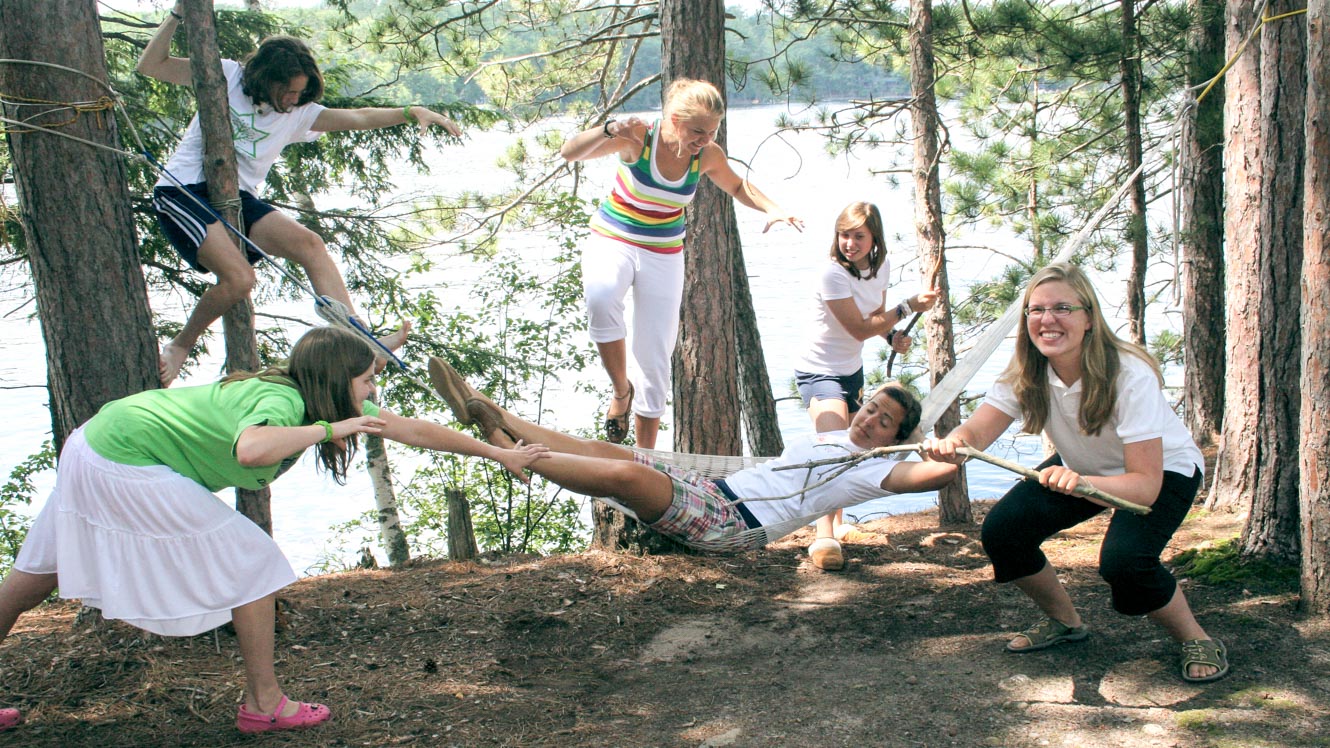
(1098, 399)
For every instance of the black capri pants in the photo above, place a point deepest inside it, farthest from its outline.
(1129, 556)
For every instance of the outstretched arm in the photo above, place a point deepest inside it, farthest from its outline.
(911, 477)
(156, 60)
(430, 435)
(374, 118)
(717, 168)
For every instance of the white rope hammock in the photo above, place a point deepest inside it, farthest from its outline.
(935, 404)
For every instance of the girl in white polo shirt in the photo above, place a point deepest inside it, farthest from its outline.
(1098, 399)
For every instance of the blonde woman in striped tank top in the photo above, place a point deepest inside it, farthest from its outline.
(637, 241)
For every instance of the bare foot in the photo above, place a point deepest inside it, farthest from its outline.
(169, 362)
(394, 340)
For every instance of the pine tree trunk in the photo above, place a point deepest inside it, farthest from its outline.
(1235, 468)
(755, 391)
(1201, 217)
(219, 171)
(75, 206)
(954, 498)
(1272, 525)
(1314, 475)
(1130, 66)
(706, 376)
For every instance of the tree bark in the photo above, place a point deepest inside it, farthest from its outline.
(74, 202)
(1272, 525)
(706, 376)
(385, 502)
(1201, 208)
(1130, 66)
(219, 171)
(1314, 461)
(755, 392)
(954, 498)
(461, 537)
(1235, 468)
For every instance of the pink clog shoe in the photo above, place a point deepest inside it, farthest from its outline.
(307, 715)
(10, 718)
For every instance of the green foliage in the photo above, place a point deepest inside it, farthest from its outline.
(1223, 565)
(18, 490)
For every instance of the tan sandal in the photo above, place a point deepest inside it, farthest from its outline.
(452, 387)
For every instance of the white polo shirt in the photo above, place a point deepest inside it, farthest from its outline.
(1141, 413)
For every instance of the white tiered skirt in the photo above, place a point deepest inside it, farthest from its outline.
(148, 546)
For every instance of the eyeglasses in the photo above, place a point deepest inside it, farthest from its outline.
(1059, 311)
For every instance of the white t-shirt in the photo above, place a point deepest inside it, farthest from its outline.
(260, 136)
(856, 486)
(1141, 413)
(831, 349)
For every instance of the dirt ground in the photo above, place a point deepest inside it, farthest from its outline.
(904, 648)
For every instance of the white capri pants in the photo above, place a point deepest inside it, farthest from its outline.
(609, 269)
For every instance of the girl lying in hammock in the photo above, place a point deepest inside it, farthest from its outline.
(726, 514)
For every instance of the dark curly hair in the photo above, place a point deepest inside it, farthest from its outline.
(278, 60)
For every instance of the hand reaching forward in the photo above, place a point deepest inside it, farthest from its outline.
(522, 456)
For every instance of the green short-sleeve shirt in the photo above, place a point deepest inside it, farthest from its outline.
(193, 430)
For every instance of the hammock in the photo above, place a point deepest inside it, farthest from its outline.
(938, 400)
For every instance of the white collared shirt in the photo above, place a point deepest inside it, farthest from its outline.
(1141, 413)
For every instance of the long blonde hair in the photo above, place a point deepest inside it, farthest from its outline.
(858, 214)
(688, 97)
(1101, 359)
(322, 364)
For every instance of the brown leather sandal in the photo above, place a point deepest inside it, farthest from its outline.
(616, 427)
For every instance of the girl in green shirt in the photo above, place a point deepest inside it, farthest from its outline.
(133, 527)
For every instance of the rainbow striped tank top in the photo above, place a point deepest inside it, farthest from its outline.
(644, 209)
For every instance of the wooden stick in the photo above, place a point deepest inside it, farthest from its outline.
(1084, 490)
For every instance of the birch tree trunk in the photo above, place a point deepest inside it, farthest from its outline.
(74, 203)
(385, 502)
(1314, 461)
(1201, 218)
(1272, 525)
(954, 498)
(1235, 468)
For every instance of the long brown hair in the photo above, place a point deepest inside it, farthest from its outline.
(322, 364)
(1101, 359)
(855, 215)
(278, 60)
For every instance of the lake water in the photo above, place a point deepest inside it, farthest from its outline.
(793, 169)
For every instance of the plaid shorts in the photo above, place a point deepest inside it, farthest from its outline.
(700, 515)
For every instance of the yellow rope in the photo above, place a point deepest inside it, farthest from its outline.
(77, 109)
(1242, 48)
